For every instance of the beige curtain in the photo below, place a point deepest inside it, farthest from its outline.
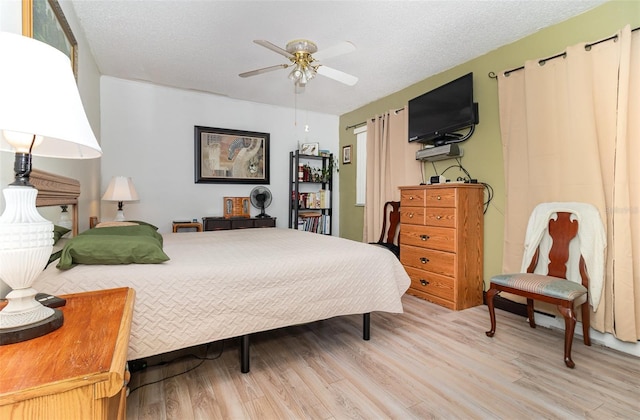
(570, 132)
(391, 163)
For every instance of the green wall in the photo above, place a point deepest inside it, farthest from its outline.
(483, 151)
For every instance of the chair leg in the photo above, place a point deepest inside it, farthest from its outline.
(569, 325)
(530, 313)
(492, 313)
(586, 323)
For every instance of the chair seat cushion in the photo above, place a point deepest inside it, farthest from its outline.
(542, 285)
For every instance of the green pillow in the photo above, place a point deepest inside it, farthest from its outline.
(54, 257)
(111, 249)
(137, 230)
(140, 222)
(59, 232)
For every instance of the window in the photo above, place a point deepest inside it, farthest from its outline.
(361, 164)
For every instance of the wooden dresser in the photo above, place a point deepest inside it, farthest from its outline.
(76, 372)
(441, 238)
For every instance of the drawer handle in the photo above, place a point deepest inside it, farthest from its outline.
(424, 282)
(410, 197)
(424, 237)
(438, 217)
(438, 198)
(424, 260)
(410, 215)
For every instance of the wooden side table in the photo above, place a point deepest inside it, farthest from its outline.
(76, 372)
(187, 225)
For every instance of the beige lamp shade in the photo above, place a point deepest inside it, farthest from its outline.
(120, 189)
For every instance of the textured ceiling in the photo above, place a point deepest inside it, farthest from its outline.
(204, 44)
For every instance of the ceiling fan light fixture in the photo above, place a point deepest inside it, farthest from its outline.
(296, 73)
(309, 72)
(299, 52)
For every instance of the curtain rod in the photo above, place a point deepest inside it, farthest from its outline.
(542, 62)
(372, 119)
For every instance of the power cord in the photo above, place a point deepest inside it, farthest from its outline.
(489, 190)
(468, 179)
(194, 356)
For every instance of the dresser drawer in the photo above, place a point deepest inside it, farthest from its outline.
(216, 223)
(433, 284)
(443, 239)
(412, 198)
(440, 216)
(428, 259)
(266, 222)
(241, 223)
(413, 215)
(440, 197)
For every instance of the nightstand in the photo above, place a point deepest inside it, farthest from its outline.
(76, 372)
(187, 225)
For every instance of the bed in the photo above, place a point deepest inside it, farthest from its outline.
(225, 284)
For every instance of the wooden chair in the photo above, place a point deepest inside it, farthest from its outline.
(390, 226)
(553, 288)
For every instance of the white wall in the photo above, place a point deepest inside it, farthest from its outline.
(148, 134)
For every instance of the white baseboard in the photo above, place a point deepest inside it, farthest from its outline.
(607, 340)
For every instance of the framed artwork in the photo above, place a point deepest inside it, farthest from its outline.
(44, 20)
(311, 149)
(346, 154)
(231, 156)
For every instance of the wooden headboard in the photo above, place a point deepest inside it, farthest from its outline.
(56, 190)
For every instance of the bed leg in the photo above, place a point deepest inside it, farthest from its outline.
(366, 326)
(244, 353)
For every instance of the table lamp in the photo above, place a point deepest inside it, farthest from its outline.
(41, 114)
(120, 189)
(65, 219)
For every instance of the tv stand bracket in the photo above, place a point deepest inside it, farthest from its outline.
(432, 154)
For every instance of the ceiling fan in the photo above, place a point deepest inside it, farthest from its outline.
(305, 66)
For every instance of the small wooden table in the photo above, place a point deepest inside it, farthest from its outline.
(76, 372)
(187, 225)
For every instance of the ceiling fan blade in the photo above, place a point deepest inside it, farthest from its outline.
(338, 75)
(334, 51)
(263, 70)
(273, 47)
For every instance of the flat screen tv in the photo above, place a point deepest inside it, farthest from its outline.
(435, 116)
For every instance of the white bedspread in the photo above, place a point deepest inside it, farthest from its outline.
(230, 283)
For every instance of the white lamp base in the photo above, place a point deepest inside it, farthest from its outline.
(23, 309)
(119, 216)
(37, 329)
(26, 241)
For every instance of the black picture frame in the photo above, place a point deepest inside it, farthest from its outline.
(346, 154)
(231, 156)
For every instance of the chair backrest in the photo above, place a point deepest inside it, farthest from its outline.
(562, 231)
(390, 223)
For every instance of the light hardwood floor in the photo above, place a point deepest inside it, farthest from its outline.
(429, 362)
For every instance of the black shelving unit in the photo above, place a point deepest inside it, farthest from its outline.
(311, 189)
